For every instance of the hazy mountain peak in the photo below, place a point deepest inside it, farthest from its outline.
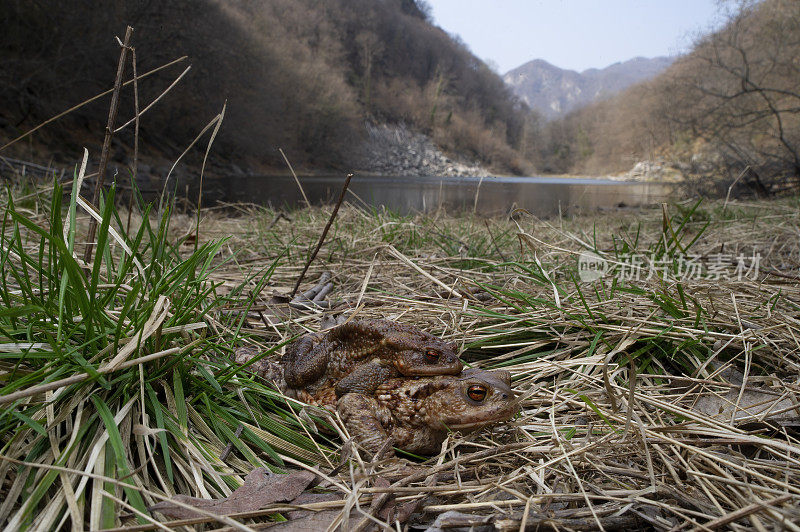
(555, 91)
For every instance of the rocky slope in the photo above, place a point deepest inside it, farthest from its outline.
(554, 91)
(397, 150)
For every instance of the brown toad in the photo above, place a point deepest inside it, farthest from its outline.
(359, 355)
(418, 413)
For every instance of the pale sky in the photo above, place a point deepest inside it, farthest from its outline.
(573, 34)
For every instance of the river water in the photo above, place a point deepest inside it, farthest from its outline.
(542, 196)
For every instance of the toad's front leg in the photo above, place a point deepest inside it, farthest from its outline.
(360, 414)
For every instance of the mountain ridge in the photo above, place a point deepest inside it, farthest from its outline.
(555, 91)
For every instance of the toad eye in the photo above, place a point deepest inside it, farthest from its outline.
(432, 357)
(476, 392)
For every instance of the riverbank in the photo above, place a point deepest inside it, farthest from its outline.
(648, 348)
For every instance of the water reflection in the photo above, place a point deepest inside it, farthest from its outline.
(540, 195)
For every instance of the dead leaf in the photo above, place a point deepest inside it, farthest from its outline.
(314, 522)
(400, 512)
(261, 488)
(309, 498)
(755, 405)
(388, 509)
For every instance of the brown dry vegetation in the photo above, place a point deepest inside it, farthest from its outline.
(733, 100)
(664, 402)
(301, 75)
(629, 403)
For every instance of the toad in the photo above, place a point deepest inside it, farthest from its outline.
(360, 355)
(417, 414)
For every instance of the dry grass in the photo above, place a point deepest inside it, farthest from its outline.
(634, 394)
(598, 448)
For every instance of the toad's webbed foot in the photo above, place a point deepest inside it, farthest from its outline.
(265, 368)
(305, 360)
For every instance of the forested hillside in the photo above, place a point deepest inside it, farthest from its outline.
(730, 107)
(298, 74)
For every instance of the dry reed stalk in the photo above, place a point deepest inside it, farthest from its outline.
(202, 173)
(112, 118)
(296, 179)
(135, 169)
(323, 234)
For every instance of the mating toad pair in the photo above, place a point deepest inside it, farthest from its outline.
(389, 380)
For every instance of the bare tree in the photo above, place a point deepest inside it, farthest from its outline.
(740, 90)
